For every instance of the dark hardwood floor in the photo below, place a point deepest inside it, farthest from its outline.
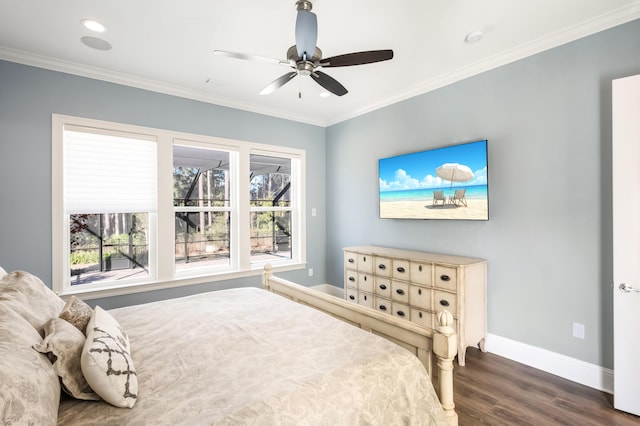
(491, 390)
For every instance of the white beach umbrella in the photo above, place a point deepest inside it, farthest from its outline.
(454, 172)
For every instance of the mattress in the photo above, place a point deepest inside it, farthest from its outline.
(249, 357)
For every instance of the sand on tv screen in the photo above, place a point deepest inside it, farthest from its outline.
(443, 183)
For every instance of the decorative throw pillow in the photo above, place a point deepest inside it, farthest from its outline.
(64, 343)
(29, 388)
(77, 313)
(27, 295)
(2, 273)
(106, 361)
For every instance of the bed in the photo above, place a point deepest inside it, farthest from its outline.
(242, 356)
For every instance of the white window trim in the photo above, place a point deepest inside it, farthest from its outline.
(162, 250)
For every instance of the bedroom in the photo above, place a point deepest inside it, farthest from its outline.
(539, 109)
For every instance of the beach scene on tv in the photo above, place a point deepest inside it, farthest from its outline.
(443, 183)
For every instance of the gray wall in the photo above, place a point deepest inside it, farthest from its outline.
(548, 240)
(28, 97)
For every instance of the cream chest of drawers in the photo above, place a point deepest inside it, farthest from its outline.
(415, 286)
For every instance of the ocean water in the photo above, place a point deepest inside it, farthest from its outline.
(473, 192)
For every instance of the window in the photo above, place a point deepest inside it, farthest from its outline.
(138, 208)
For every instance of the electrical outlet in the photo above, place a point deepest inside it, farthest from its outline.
(578, 330)
(310, 272)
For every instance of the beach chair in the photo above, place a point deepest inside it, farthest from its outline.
(458, 198)
(438, 197)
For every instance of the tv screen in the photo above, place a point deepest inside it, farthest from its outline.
(443, 183)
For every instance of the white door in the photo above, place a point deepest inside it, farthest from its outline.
(626, 244)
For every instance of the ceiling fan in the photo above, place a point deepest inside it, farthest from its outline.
(305, 57)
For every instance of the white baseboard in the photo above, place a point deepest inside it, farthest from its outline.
(330, 289)
(591, 375)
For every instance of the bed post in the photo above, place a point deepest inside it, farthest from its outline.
(266, 276)
(445, 348)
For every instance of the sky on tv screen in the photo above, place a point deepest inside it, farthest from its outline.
(418, 170)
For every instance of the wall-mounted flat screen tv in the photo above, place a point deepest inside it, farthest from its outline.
(443, 183)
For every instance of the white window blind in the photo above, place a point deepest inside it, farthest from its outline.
(108, 173)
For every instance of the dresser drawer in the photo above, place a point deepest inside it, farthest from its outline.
(365, 299)
(422, 317)
(351, 294)
(350, 279)
(400, 291)
(401, 269)
(420, 297)
(365, 263)
(365, 282)
(350, 260)
(446, 277)
(383, 305)
(383, 287)
(420, 272)
(443, 300)
(400, 310)
(382, 266)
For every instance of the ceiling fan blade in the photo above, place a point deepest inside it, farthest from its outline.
(278, 83)
(329, 83)
(306, 33)
(357, 58)
(248, 57)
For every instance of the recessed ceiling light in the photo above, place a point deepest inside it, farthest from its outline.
(474, 37)
(93, 25)
(325, 94)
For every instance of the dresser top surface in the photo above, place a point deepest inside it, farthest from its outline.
(415, 255)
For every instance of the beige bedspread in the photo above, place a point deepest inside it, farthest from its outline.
(249, 357)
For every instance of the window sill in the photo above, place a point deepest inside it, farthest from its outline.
(115, 290)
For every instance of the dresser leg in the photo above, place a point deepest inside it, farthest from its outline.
(481, 346)
(461, 353)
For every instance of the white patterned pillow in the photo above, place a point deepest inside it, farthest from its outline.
(29, 388)
(106, 361)
(64, 343)
(27, 295)
(2, 272)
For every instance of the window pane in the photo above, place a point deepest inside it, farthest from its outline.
(200, 177)
(270, 236)
(108, 247)
(270, 181)
(202, 239)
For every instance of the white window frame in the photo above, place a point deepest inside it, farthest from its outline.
(162, 244)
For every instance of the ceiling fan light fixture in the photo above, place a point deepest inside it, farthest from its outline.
(93, 25)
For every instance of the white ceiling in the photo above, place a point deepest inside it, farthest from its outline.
(166, 46)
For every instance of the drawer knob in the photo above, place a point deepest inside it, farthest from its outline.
(400, 313)
(382, 266)
(383, 308)
(351, 260)
(364, 278)
(352, 279)
(400, 291)
(420, 268)
(400, 269)
(365, 297)
(445, 277)
(420, 314)
(352, 297)
(382, 287)
(444, 302)
(420, 291)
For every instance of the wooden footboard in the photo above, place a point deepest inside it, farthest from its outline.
(419, 340)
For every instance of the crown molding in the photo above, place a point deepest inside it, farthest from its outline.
(566, 35)
(67, 67)
(591, 26)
